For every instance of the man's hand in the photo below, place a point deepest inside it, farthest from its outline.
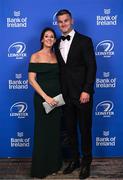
(84, 97)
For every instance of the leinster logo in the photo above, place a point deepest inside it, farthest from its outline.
(54, 19)
(104, 109)
(19, 109)
(105, 48)
(17, 50)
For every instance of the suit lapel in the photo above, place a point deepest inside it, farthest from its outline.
(72, 46)
(71, 50)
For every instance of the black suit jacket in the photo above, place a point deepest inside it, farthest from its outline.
(78, 74)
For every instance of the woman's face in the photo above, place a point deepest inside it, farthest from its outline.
(48, 39)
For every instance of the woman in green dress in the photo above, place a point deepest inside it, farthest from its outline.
(44, 78)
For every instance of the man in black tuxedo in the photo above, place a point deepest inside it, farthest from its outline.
(77, 64)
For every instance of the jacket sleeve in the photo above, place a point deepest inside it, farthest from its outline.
(90, 63)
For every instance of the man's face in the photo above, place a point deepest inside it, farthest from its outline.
(65, 23)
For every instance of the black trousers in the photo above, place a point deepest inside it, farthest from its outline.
(75, 113)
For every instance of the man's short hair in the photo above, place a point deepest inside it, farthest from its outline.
(62, 12)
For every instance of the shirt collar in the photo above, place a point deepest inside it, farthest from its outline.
(71, 33)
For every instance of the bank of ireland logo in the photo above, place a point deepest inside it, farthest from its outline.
(105, 133)
(18, 76)
(54, 19)
(105, 48)
(18, 82)
(107, 11)
(106, 81)
(105, 109)
(20, 141)
(106, 74)
(105, 140)
(16, 20)
(107, 19)
(17, 50)
(19, 110)
(17, 13)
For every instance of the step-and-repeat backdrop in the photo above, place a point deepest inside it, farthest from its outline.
(20, 25)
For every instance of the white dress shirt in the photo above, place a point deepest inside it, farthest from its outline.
(65, 46)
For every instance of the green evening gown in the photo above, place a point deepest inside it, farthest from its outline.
(46, 157)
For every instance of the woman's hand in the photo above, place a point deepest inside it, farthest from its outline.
(51, 101)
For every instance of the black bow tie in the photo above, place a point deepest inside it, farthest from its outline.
(65, 37)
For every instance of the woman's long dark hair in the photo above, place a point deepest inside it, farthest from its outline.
(43, 32)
